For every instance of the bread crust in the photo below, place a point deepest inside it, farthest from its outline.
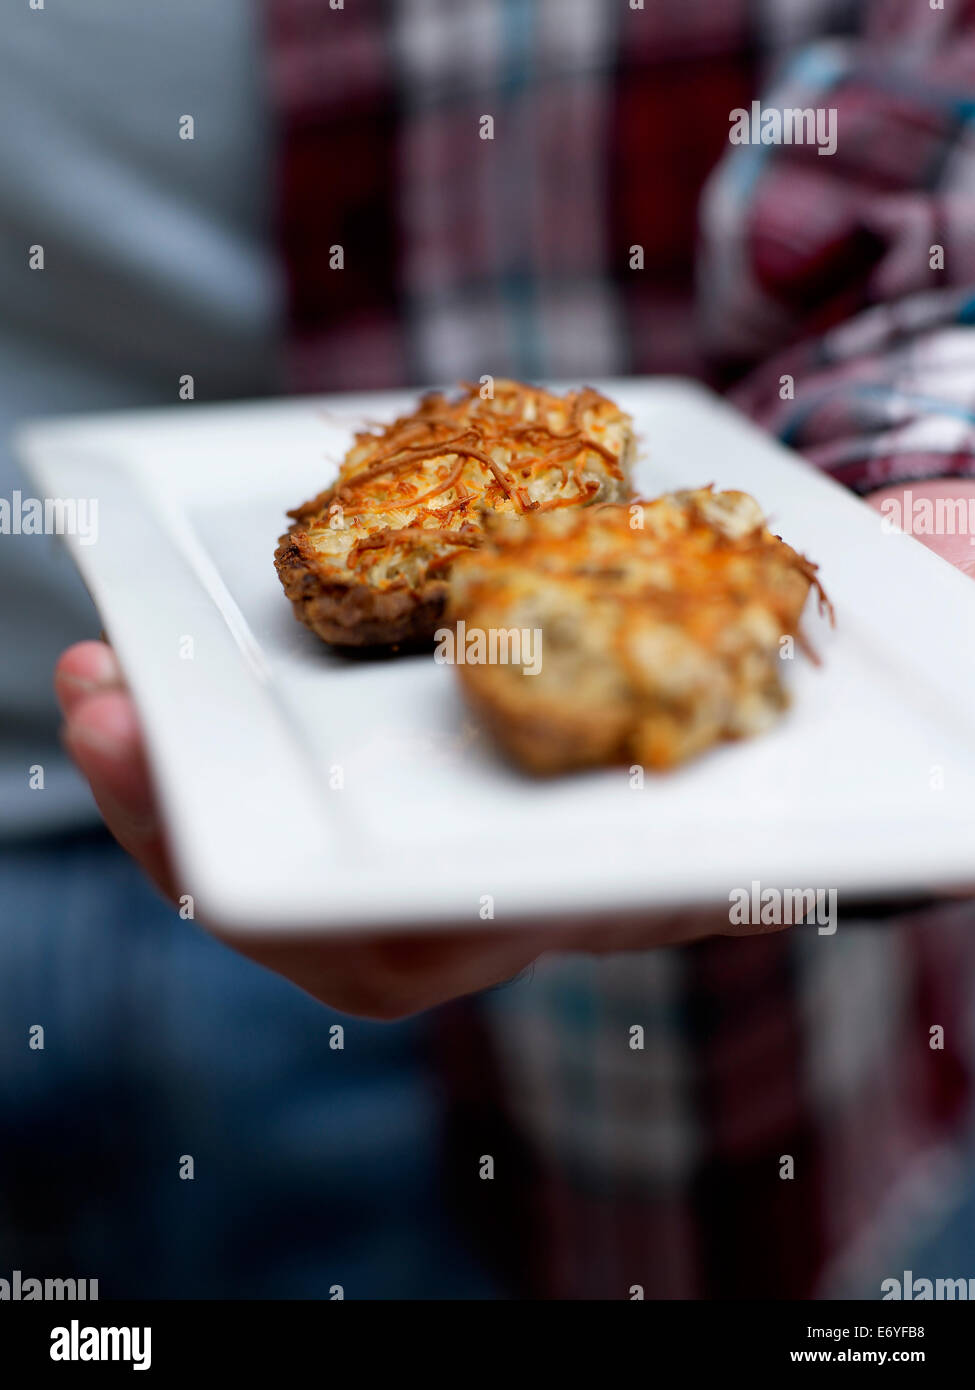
(412, 497)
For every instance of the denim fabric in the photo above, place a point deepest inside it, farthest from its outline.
(313, 1167)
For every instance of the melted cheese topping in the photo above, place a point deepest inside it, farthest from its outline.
(415, 493)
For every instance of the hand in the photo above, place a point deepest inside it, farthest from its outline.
(382, 977)
(957, 547)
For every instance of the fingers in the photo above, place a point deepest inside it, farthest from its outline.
(954, 542)
(646, 931)
(82, 670)
(393, 977)
(102, 734)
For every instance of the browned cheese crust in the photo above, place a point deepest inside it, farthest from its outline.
(661, 624)
(367, 562)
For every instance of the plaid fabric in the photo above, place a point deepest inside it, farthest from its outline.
(661, 1167)
(511, 254)
(515, 255)
(825, 269)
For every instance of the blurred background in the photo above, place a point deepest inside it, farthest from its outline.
(570, 244)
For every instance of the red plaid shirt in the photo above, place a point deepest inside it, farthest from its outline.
(610, 227)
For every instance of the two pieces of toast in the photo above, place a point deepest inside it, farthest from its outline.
(654, 626)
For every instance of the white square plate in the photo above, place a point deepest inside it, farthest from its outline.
(308, 792)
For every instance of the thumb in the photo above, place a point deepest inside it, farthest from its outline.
(102, 734)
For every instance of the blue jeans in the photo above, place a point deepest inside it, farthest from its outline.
(312, 1167)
